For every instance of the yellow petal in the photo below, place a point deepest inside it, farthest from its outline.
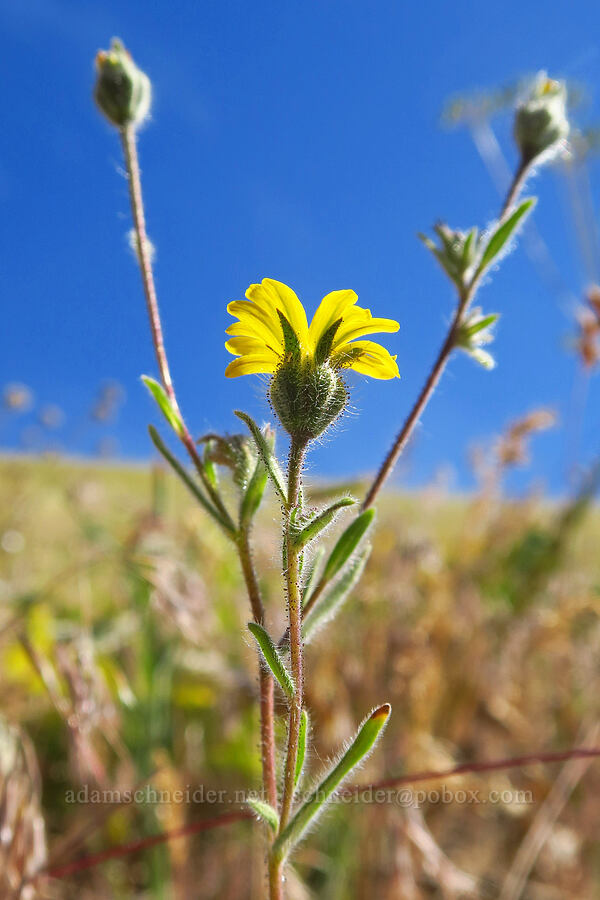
(243, 344)
(331, 308)
(360, 322)
(374, 360)
(256, 322)
(252, 364)
(273, 295)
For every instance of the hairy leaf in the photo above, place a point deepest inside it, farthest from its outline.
(164, 404)
(272, 658)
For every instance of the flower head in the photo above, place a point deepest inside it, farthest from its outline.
(272, 336)
(541, 123)
(122, 91)
(272, 326)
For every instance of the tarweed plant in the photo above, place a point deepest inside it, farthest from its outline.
(309, 385)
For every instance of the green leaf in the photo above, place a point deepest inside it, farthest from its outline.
(484, 358)
(164, 404)
(312, 573)
(320, 520)
(358, 750)
(441, 257)
(347, 544)
(266, 454)
(301, 746)
(265, 812)
(466, 254)
(503, 233)
(210, 470)
(328, 606)
(272, 658)
(254, 493)
(485, 322)
(190, 484)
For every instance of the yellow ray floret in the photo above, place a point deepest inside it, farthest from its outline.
(257, 338)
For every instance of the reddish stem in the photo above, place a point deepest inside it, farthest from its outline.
(228, 818)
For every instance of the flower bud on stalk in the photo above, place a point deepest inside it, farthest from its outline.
(122, 91)
(541, 122)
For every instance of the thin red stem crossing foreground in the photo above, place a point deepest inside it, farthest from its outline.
(229, 818)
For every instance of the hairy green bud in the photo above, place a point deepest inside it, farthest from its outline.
(234, 451)
(122, 91)
(307, 397)
(541, 122)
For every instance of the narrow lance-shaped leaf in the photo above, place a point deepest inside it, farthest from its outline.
(266, 454)
(483, 357)
(302, 738)
(485, 322)
(190, 484)
(347, 544)
(210, 469)
(470, 238)
(503, 233)
(253, 493)
(328, 606)
(360, 747)
(312, 574)
(272, 658)
(265, 812)
(164, 404)
(319, 521)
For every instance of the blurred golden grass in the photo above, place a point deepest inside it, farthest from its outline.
(124, 658)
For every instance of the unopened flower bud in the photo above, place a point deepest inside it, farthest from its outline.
(541, 122)
(234, 451)
(123, 92)
(307, 397)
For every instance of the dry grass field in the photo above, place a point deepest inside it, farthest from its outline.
(477, 618)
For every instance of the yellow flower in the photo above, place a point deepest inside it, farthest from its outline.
(272, 325)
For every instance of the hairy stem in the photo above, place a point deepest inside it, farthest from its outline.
(128, 140)
(517, 185)
(144, 255)
(465, 298)
(418, 407)
(292, 579)
(266, 685)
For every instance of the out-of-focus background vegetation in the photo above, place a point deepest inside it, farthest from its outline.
(122, 660)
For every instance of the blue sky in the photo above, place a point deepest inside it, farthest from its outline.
(299, 141)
